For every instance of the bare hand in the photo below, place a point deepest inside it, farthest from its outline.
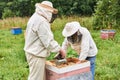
(63, 53)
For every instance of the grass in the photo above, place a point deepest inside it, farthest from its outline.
(13, 22)
(12, 58)
(13, 65)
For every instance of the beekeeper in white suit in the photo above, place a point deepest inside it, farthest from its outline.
(39, 39)
(80, 39)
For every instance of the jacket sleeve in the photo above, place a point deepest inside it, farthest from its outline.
(46, 36)
(65, 44)
(84, 45)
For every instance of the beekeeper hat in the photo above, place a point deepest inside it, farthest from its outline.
(49, 6)
(70, 28)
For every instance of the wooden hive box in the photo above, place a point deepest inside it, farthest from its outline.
(67, 72)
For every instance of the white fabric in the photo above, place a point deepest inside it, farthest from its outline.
(70, 28)
(48, 6)
(47, 3)
(39, 39)
(43, 11)
(87, 48)
(39, 42)
(76, 47)
(36, 67)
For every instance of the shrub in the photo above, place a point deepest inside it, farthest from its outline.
(107, 14)
(7, 13)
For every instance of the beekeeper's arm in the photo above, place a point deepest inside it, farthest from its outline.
(46, 36)
(84, 45)
(65, 45)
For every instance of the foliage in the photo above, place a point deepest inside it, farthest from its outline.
(2, 6)
(107, 14)
(78, 7)
(18, 7)
(7, 13)
(66, 7)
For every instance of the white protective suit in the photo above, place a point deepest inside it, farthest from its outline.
(39, 42)
(85, 48)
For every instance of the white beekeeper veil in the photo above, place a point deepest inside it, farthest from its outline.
(71, 28)
(46, 9)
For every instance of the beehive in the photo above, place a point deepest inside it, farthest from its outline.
(16, 30)
(68, 72)
(107, 34)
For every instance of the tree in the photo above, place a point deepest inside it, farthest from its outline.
(27, 7)
(107, 14)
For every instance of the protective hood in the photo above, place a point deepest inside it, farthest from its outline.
(71, 28)
(43, 12)
(45, 9)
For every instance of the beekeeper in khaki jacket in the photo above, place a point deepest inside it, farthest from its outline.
(81, 41)
(39, 39)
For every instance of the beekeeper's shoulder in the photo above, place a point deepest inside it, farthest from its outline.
(84, 30)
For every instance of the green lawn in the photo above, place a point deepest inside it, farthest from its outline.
(13, 65)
